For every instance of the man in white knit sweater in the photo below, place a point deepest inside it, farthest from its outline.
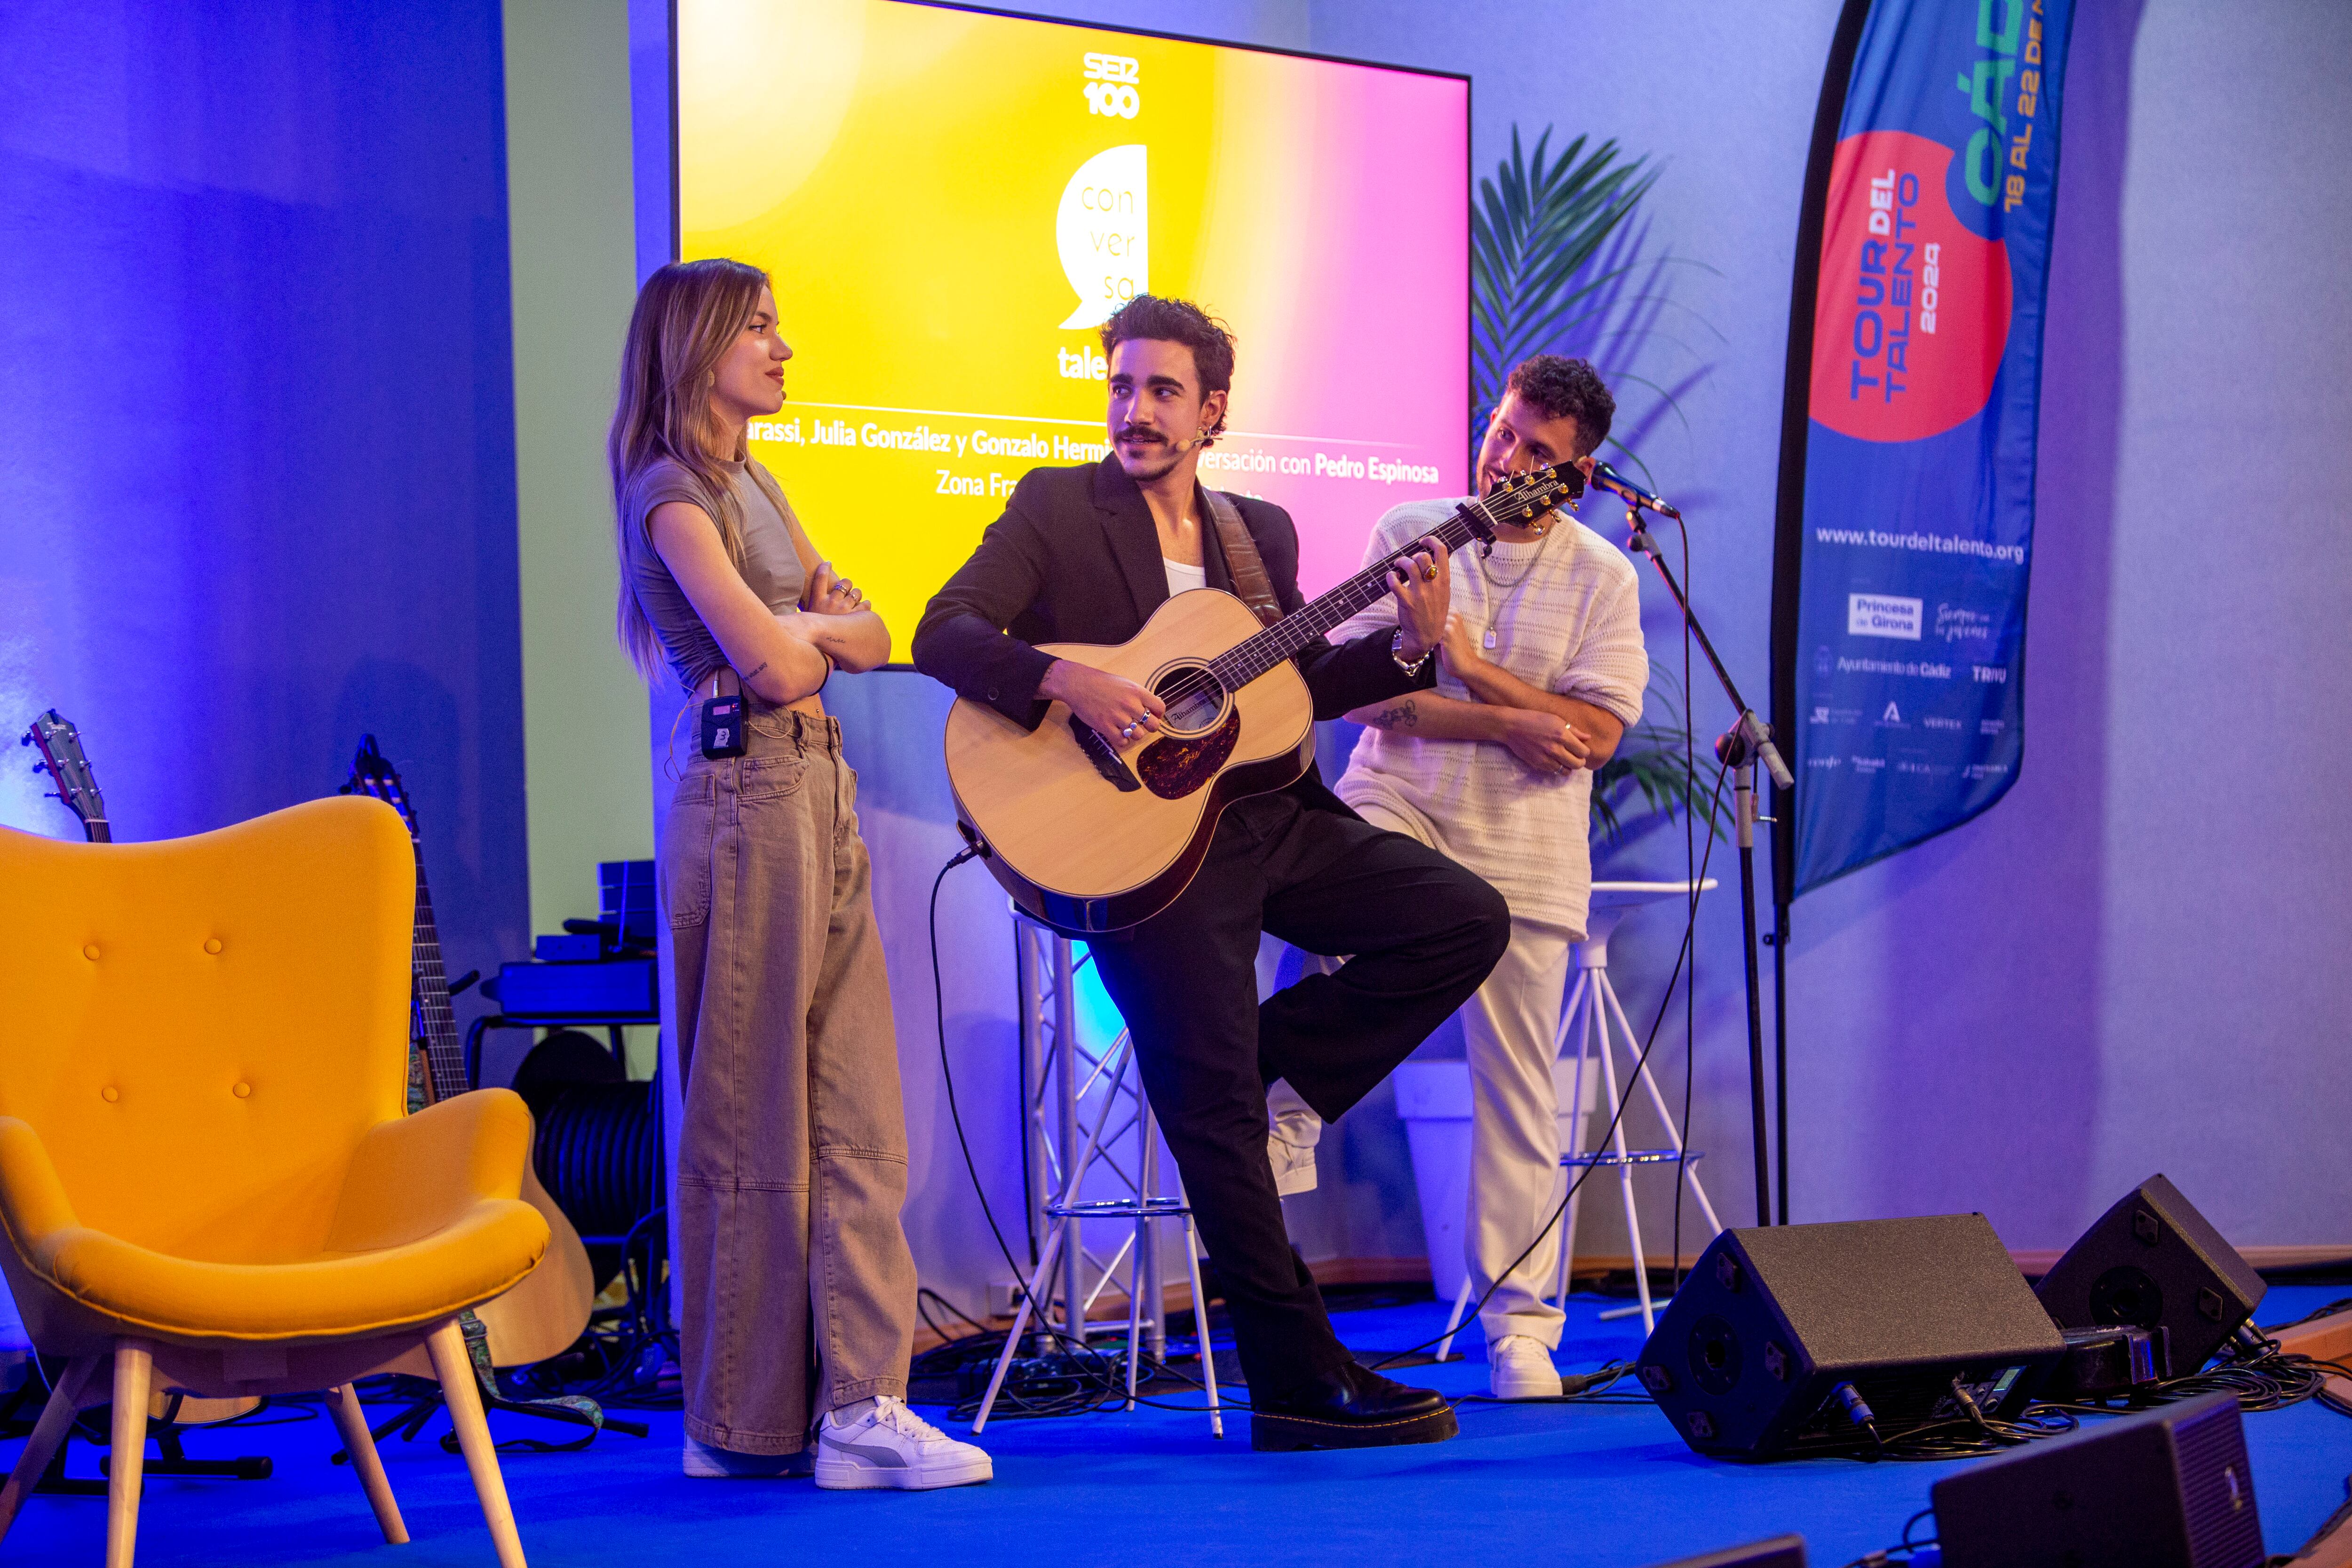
(1541, 671)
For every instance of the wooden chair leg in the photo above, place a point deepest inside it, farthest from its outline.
(49, 1431)
(134, 1379)
(351, 1424)
(446, 1346)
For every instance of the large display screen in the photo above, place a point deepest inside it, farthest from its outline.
(951, 202)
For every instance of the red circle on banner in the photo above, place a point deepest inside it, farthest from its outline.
(1913, 314)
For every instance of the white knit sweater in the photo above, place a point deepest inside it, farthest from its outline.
(1572, 627)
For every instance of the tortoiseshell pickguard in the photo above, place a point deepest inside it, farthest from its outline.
(1172, 769)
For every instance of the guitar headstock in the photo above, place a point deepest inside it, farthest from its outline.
(59, 743)
(1523, 498)
(374, 776)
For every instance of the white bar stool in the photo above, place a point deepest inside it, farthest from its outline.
(1593, 1006)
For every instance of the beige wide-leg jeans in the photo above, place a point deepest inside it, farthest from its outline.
(793, 1162)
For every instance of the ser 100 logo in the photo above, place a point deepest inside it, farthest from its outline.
(1113, 86)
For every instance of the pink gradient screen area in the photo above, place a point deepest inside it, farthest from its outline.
(950, 202)
(1351, 389)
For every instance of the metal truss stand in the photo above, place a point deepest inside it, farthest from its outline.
(1087, 1116)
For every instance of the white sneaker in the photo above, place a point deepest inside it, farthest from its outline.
(1520, 1367)
(1290, 1142)
(892, 1447)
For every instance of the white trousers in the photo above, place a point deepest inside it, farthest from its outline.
(1508, 1029)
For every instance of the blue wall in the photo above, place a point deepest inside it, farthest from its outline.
(257, 469)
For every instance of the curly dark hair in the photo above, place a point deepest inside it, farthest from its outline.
(1178, 322)
(1558, 387)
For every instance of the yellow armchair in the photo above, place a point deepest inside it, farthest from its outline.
(206, 1172)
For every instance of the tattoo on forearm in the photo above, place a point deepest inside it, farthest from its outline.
(753, 674)
(1404, 716)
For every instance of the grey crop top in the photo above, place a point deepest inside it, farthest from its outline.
(771, 567)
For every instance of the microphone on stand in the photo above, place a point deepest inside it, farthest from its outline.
(1626, 490)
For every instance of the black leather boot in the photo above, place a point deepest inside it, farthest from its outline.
(1354, 1408)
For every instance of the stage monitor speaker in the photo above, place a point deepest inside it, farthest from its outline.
(2152, 1261)
(1817, 1339)
(2168, 1488)
(1781, 1552)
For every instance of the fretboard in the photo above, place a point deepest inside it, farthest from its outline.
(1244, 662)
(432, 1019)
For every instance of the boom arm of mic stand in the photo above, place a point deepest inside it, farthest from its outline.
(1746, 744)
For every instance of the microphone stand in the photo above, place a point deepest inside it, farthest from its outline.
(1740, 748)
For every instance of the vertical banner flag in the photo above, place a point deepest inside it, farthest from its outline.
(1905, 509)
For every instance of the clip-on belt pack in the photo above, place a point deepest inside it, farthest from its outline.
(722, 722)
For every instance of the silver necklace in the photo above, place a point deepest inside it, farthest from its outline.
(1514, 584)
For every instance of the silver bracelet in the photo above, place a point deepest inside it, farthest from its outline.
(1396, 654)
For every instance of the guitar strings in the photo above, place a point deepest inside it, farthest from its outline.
(1220, 671)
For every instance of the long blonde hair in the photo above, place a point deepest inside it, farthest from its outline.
(686, 319)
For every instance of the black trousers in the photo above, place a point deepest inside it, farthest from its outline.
(1424, 933)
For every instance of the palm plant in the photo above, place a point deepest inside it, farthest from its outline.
(1554, 259)
(1539, 225)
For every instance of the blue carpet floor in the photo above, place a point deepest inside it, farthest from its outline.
(1564, 1487)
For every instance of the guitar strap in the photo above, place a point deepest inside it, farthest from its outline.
(1255, 588)
(1250, 581)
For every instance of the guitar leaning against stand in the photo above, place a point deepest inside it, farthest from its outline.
(546, 1314)
(59, 741)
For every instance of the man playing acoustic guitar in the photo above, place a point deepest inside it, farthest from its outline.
(1086, 555)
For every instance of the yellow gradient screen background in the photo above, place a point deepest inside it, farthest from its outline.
(947, 202)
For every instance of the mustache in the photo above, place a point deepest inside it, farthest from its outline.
(1139, 433)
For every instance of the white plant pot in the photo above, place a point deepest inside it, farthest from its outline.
(1433, 1100)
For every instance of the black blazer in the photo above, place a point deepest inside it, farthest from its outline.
(1075, 558)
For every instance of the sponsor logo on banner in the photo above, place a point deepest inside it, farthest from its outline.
(1898, 264)
(1881, 615)
(1953, 623)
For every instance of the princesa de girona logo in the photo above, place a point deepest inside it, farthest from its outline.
(1913, 314)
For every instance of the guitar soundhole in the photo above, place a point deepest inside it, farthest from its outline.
(1175, 768)
(1195, 700)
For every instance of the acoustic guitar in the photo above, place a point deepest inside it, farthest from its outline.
(1090, 834)
(54, 736)
(59, 741)
(548, 1311)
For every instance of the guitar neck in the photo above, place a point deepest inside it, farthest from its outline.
(435, 1022)
(1243, 663)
